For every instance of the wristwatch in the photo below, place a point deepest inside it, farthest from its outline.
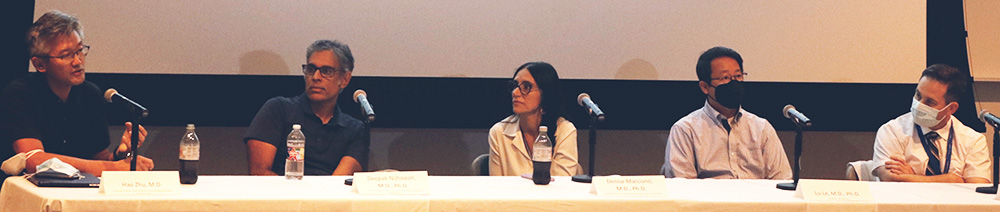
(123, 155)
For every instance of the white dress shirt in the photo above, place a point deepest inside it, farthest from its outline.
(699, 146)
(509, 156)
(970, 157)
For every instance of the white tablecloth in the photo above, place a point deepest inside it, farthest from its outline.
(469, 193)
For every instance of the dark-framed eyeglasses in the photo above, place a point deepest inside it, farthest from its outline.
(81, 53)
(525, 86)
(326, 71)
(737, 77)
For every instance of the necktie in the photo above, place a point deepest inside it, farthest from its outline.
(934, 163)
(932, 137)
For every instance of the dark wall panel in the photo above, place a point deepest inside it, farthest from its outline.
(406, 102)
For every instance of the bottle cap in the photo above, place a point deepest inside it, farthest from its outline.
(190, 127)
(543, 129)
(296, 127)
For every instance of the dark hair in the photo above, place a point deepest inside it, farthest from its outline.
(52, 24)
(342, 51)
(547, 81)
(704, 67)
(948, 75)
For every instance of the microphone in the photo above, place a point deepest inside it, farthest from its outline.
(362, 98)
(800, 119)
(989, 118)
(584, 100)
(112, 95)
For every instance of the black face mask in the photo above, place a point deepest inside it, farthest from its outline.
(730, 95)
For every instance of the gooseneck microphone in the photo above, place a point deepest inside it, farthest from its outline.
(584, 100)
(362, 98)
(139, 112)
(800, 119)
(989, 118)
(801, 122)
(992, 120)
(112, 96)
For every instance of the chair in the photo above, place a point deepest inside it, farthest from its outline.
(481, 165)
(860, 170)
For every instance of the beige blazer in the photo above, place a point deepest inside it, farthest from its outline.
(509, 156)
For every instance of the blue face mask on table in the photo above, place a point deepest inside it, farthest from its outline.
(55, 168)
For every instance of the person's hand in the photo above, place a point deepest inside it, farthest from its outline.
(127, 137)
(143, 164)
(898, 166)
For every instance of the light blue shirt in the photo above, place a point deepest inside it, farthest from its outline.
(700, 147)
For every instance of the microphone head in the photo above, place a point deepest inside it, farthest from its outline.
(785, 110)
(109, 93)
(982, 115)
(579, 99)
(358, 93)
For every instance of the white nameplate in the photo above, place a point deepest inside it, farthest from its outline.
(833, 190)
(409, 182)
(652, 185)
(140, 182)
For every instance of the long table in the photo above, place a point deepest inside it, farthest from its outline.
(475, 193)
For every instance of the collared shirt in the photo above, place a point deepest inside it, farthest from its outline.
(325, 144)
(509, 156)
(699, 146)
(970, 156)
(76, 127)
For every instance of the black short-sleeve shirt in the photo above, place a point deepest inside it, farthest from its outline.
(325, 144)
(77, 127)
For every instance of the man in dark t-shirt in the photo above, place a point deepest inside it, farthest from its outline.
(55, 112)
(336, 143)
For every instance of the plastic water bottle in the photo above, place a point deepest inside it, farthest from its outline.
(189, 154)
(295, 163)
(541, 157)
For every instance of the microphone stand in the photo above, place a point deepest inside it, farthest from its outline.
(137, 116)
(798, 154)
(996, 155)
(368, 132)
(593, 141)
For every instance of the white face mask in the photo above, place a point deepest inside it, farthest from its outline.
(925, 116)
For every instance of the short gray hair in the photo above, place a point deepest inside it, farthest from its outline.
(51, 25)
(342, 51)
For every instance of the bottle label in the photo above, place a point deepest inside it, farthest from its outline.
(542, 155)
(296, 154)
(189, 153)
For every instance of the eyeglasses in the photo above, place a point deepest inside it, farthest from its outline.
(737, 77)
(326, 71)
(81, 53)
(524, 86)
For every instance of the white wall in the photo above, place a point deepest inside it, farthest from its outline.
(785, 40)
(981, 21)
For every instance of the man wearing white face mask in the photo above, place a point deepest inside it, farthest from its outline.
(928, 144)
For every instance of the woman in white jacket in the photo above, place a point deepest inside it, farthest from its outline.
(535, 95)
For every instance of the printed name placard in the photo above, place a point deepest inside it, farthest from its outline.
(140, 183)
(408, 182)
(833, 190)
(652, 185)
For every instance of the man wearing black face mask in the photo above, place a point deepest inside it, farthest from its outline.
(721, 140)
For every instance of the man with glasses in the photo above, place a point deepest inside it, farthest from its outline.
(55, 112)
(721, 140)
(335, 142)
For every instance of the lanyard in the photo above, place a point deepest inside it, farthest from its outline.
(932, 160)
